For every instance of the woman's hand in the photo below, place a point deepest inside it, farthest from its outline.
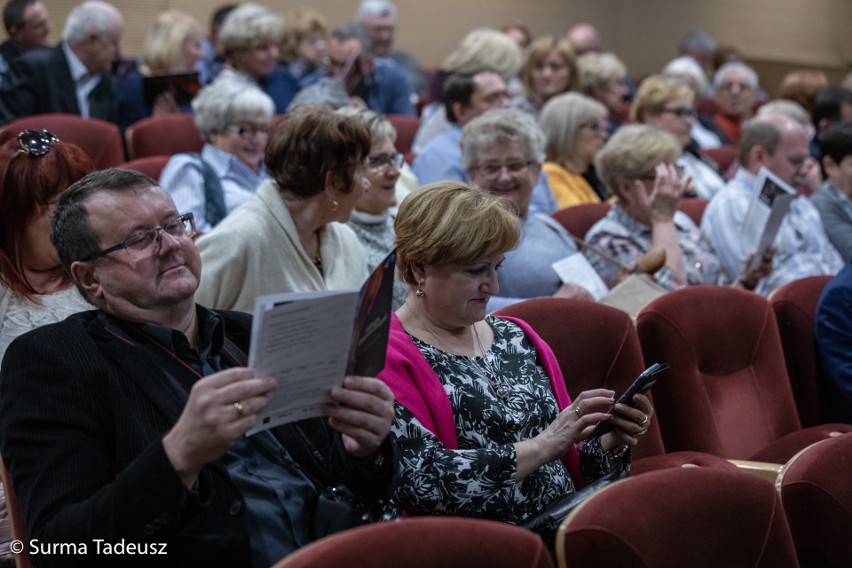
(629, 424)
(750, 279)
(668, 189)
(574, 424)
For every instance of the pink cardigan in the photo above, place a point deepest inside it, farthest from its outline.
(416, 386)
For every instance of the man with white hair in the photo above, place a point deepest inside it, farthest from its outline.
(73, 76)
(379, 17)
(801, 248)
(735, 86)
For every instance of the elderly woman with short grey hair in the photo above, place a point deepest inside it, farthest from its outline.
(372, 220)
(249, 40)
(233, 119)
(502, 151)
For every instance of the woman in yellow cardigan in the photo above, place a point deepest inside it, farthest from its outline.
(575, 130)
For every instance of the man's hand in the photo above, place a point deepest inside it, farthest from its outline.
(362, 411)
(221, 408)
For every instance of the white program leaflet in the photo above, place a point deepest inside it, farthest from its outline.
(291, 342)
(769, 204)
(577, 269)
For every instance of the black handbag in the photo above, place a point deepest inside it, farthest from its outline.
(547, 521)
(338, 510)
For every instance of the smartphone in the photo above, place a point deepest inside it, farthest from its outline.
(641, 385)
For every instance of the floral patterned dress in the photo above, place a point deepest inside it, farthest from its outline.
(499, 399)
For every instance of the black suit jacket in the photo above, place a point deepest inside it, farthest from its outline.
(40, 81)
(83, 408)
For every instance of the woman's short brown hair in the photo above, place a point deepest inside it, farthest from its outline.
(452, 222)
(311, 141)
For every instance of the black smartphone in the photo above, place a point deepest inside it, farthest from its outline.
(641, 385)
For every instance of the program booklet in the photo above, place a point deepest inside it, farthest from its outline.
(308, 342)
(184, 86)
(769, 204)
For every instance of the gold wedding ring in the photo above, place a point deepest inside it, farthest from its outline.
(644, 420)
(239, 408)
(578, 411)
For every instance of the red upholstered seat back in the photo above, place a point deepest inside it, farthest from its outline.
(578, 219)
(695, 517)
(426, 542)
(151, 166)
(816, 488)
(727, 392)
(596, 346)
(99, 139)
(163, 135)
(795, 306)
(694, 207)
(406, 127)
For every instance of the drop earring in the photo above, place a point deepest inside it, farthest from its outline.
(419, 292)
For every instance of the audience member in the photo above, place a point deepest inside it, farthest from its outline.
(34, 289)
(584, 38)
(503, 150)
(483, 420)
(304, 45)
(212, 62)
(705, 132)
(726, 54)
(669, 105)
(550, 69)
(831, 106)
(466, 96)
(233, 119)
(375, 83)
(108, 432)
(519, 33)
(735, 85)
(833, 332)
(802, 86)
(812, 179)
(834, 200)
(27, 27)
(72, 77)
(248, 41)
(700, 46)
(481, 48)
(291, 235)
(379, 17)
(575, 130)
(638, 166)
(172, 45)
(372, 219)
(603, 77)
(801, 248)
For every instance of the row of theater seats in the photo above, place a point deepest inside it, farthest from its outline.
(150, 141)
(700, 517)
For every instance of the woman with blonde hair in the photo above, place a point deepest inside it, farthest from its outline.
(304, 44)
(669, 105)
(172, 45)
(549, 70)
(575, 130)
(482, 418)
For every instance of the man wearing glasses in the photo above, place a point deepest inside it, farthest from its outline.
(111, 434)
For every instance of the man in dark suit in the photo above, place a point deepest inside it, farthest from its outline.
(125, 425)
(72, 77)
(27, 27)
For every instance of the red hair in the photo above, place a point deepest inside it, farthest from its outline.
(28, 185)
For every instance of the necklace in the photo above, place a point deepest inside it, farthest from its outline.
(485, 369)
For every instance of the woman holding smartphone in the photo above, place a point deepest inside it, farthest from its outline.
(483, 420)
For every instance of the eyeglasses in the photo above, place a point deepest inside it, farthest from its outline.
(382, 162)
(493, 170)
(247, 131)
(141, 241)
(36, 144)
(680, 112)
